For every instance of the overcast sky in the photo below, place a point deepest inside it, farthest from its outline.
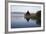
(23, 8)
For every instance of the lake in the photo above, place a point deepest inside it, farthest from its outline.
(18, 21)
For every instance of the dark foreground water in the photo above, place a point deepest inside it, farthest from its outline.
(18, 21)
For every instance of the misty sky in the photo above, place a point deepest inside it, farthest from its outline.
(23, 8)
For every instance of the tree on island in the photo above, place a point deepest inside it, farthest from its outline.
(27, 13)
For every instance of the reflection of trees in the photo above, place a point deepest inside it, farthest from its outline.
(38, 22)
(27, 19)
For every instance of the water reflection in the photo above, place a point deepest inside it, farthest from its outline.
(27, 19)
(20, 21)
(36, 17)
(38, 22)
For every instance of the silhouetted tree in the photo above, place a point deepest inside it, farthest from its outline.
(27, 13)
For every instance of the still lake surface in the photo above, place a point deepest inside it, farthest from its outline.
(18, 21)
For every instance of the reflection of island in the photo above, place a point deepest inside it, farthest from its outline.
(36, 16)
(38, 22)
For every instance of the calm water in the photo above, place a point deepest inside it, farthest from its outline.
(18, 21)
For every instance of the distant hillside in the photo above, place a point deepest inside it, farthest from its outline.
(17, 13)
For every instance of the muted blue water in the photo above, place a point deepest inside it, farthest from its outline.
(18, 21)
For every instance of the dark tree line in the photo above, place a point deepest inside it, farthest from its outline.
(38, 13)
